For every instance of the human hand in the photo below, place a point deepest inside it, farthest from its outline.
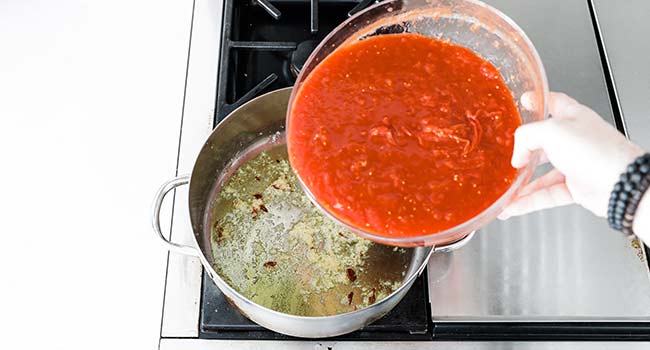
(587, 153)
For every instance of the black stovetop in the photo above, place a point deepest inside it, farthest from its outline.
(257, 50)
(257, 55)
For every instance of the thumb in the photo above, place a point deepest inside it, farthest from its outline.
(528, 139)
(560, 105)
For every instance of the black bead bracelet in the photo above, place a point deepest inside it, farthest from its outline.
(627, 194)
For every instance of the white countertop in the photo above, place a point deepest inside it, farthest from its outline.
(91, 96)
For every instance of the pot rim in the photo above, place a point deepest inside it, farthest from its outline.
(222, 284)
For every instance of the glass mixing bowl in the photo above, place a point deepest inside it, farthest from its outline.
(469, 23)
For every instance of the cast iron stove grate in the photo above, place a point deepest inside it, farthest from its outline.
(264, 43)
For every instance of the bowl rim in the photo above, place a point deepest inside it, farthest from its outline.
(453, 233)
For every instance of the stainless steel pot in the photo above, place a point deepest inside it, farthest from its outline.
(253, 127)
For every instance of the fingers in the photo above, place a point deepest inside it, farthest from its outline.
(532, 137)
(551, 178)
(549, 190)
(543, 198)
(560, 105)
(528, 139)
(529, 101)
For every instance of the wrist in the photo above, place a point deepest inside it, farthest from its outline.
(628, 195)
(626, 152)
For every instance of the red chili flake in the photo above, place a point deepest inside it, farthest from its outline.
(350, 298)
(219, 235)
(258, 178)
(257, 196)
(216, 224)
(264, 208)
(276, 186)
(352, 276)
(255, 213)
(373, 297)
(277, 161)
(342, 235)
(311, 248)
(270, 264)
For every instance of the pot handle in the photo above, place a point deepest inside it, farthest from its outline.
(453, 246)
(155, 215)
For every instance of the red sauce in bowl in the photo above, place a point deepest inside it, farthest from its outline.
(403, 135)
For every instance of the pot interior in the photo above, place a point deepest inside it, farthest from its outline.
(273, 246)
(255, 127)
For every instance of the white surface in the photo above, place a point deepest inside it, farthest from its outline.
(183, 287)
(90, 104)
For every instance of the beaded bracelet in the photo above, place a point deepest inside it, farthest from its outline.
(627, 194)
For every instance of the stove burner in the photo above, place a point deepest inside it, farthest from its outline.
(300, 55)
(259, 50)
(409, 320)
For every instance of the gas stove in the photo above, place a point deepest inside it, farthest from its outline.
(555, 275)
(261, 53)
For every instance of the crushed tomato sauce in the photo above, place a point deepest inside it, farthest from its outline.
(404, 135)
